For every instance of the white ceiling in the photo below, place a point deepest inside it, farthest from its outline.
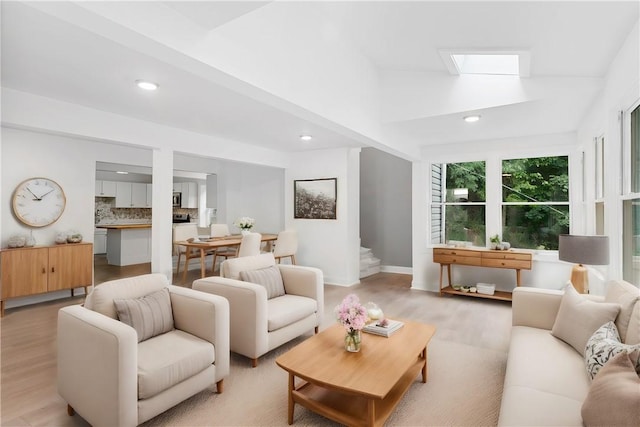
(349, 73)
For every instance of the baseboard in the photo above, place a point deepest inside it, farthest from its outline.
(396, 269)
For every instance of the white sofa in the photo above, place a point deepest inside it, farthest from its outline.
(546, 379)
(111, 379)
(258, 323)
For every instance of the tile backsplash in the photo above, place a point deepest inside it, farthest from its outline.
(106, 212)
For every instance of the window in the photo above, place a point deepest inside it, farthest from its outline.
(535, 201)
(635, 150)
(631, 205)
(458, 195)
(631, 241)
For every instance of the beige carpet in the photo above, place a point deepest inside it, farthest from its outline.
(467, 360)
(464, 388)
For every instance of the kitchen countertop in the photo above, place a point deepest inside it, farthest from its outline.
(122, 226)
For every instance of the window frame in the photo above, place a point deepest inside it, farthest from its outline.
(493, 170)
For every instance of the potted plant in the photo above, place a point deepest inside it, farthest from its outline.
(495, 241)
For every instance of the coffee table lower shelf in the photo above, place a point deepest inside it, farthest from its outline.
(351, 410)
(499, 295)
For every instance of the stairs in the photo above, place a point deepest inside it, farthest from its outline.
(368, 263)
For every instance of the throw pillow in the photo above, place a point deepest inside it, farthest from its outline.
(626, 295)
(614, 396)
(578, 318)
(603, 345)
(269, 277)
(149, 315)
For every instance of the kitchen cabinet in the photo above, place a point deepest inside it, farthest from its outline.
(105, 188)
(128, 244)
(189, 191)
(131, 195)
(40, 269)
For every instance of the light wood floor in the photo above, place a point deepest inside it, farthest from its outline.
(28, 345)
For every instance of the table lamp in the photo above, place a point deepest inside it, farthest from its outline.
(590, 250)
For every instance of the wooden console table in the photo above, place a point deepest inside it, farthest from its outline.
(511, 259)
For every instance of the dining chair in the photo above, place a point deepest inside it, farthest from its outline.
(286, 246)
(222, 230)
(184, 232)
(250, 245)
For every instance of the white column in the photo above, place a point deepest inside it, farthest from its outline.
(161, 231)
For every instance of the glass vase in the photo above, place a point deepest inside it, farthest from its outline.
(353, 341)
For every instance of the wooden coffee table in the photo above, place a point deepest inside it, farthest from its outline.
(356, 389)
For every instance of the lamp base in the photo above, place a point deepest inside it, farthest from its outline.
(580, 278)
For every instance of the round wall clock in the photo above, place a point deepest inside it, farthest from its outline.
(38, 202)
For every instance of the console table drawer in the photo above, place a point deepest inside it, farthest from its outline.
(506, 263)
(507, 255)
(457, 259)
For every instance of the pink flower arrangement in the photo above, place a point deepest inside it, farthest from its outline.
(351, 314)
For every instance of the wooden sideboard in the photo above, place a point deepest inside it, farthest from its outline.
(40, 269)
(511, 259)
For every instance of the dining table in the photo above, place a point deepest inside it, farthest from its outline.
(201, 246)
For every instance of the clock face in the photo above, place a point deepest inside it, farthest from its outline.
(38, 202)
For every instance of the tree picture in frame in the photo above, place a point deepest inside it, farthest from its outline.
(315, 198)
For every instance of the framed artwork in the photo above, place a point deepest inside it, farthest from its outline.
(315, 198)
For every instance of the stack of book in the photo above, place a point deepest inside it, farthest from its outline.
(385, 331)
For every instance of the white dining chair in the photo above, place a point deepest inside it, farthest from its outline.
(220, 230)
(250, 245)
(286, 246)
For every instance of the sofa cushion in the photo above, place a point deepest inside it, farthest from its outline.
(545, 381)
(149, 315)
(627, 295)
(578, 318)
(602, 346)
(159, 369)
(101, 297)
(633, 333)
(269, 277)
(614, 395)
(287, 309)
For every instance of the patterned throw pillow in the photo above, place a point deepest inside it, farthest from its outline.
(603, 345)
(269, 277)
(149, 315)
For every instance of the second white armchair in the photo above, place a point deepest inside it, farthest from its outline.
(288, 303)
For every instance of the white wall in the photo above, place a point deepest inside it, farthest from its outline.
(69, 161)
(331, 245)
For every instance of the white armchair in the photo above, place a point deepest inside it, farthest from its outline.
(259, 324)
(111, 379)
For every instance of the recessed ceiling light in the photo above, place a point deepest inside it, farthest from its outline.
(122, 172)
(471, 119)
(306, 137)
(142, 84)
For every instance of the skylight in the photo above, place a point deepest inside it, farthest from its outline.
(487, 64)
(493, 62)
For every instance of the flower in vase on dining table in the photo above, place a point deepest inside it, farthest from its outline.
(353, 317)
(244, 223)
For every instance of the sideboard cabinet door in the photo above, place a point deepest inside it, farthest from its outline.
(70, 266)
(24, 272)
